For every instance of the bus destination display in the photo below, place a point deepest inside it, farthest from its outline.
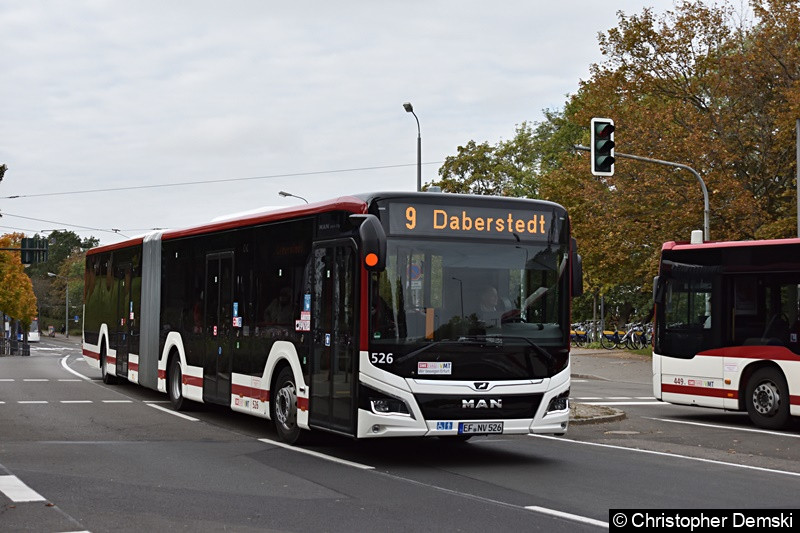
(466, 221)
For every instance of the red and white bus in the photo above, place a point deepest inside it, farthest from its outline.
(386, 314)
(727, 333)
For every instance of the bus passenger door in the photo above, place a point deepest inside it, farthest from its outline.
(333, 323)
(218, 328)
(122, 275)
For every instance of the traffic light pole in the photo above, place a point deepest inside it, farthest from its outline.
(706, 211)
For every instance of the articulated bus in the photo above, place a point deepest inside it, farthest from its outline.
(727, 333)
(386, 314)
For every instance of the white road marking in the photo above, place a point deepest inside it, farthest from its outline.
(6, 379)
(568, 516)
(665, 454)
(34, 379)
(733, 428)
(17, 491)
(588, 398)
(31, 401)
(155, 401)
(70, 380)
(117, 401)
(68, 369)
(318, 454)
(170, 411)
(618, 398)
(75, 401)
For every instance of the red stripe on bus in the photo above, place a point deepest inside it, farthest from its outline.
(302, 403)
(111, 360)
(769, 353)
(89, 353)
(192, 380)
(699, 391)
(794, 400)
(162, 374)
(250, 392)
(133, 366)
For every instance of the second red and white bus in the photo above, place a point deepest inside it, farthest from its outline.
(364, 315)
(727, 328)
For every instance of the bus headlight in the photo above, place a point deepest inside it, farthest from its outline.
(559, 403)
(388, 406)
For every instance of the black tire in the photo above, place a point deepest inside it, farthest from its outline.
(283, 407)
(108, 379)
(175, 385)
(607, 343)
(767, 398)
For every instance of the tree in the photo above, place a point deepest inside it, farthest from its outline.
(69, 277)
(699, 85)
(62, 244)
(16, 291)
(507, 169)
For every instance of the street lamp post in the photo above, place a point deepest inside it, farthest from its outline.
(285, 194)
(66, 305)
(410, 109)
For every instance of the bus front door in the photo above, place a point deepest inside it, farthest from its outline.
(218, 328)
(333, 374)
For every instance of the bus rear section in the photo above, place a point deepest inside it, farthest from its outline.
(727, 333)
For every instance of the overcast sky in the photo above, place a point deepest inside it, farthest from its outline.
(108, 94)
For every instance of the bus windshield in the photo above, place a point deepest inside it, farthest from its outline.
(433, 291)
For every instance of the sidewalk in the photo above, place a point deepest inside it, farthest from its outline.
(617, 365)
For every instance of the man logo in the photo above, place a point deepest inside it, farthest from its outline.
(481, 385)
(482, 404)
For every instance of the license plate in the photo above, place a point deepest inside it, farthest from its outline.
(471, 428)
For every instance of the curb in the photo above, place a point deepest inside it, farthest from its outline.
(583, 414)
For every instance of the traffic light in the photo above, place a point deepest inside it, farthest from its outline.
(34, 250)
(602, 148)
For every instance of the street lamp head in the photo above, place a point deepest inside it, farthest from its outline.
(284, 193)
(408, 107)
(52, 275)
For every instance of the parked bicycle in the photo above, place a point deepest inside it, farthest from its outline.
(578, 335)
(633, 339)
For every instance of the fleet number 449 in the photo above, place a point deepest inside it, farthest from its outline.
(380, 358)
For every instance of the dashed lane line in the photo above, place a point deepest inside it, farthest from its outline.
(17, 491)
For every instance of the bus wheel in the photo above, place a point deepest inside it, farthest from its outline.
(767, 398)
(174, 386)
(284, 407)
(108, 379)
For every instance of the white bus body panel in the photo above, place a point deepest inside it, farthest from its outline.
(389, 425)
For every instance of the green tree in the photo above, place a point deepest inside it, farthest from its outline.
(509, 168)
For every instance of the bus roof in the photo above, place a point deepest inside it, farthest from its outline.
(357, 203)
(344, 203)
(681, 246)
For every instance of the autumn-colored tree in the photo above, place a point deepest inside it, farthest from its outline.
(699, 85)
(16, 291)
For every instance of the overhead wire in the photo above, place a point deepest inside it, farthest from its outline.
(206, 182)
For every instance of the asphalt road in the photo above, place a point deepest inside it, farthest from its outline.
(77, 455)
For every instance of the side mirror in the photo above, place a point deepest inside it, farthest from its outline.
(658, 292)
(373, 242)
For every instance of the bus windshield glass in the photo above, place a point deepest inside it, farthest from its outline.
(435, 291)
